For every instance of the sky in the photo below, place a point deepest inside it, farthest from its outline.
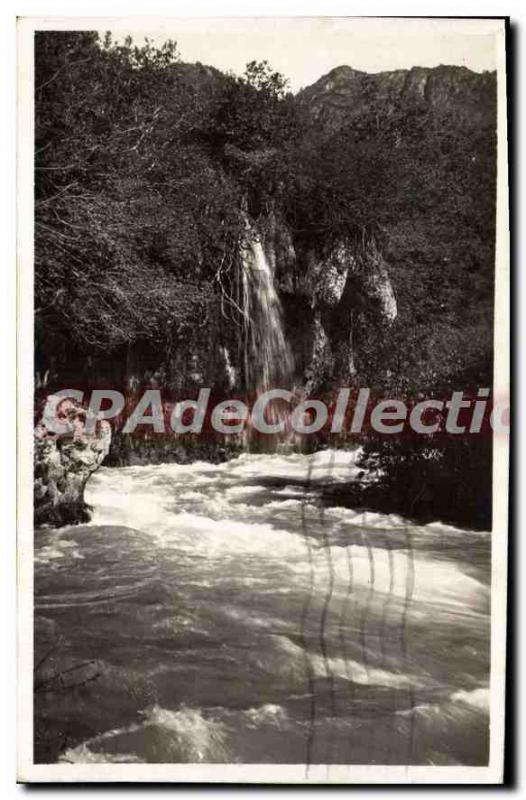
(305, 48)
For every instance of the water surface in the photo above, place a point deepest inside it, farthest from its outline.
(214, 613)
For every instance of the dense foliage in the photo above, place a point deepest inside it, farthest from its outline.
(146, 168)
(144, 163)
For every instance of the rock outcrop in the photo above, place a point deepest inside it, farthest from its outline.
(344, 94)
(327, 289)
(349, 280)
(63, 464)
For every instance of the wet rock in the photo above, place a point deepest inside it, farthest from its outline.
(377, 286)
(63, 464)
(347, 281)
(321, 361)
(344, 94)
(327, 277)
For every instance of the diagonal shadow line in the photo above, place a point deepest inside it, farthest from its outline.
(383, 626)
(344, 614)
(409, 590)
(343, 617)
(325, 615)
(387, 658)
(365, 609)
(388, 598)
(342, 623)
(303, 628)
(343, 620)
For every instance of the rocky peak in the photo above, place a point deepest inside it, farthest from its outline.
(346, 93)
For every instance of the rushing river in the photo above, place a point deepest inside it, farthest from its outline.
(213, 613)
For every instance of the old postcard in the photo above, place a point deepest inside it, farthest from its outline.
(263, 399)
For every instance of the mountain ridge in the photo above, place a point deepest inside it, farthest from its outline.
(344, 93)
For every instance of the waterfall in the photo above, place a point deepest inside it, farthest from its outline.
(269, 363)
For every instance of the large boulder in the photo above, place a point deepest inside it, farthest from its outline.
(324, 278)
(348, 281)
(63, 464)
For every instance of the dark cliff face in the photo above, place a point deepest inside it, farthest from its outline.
(419, 146)
(345, 94)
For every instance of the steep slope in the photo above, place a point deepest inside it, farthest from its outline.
(345, 93)
(414, 151)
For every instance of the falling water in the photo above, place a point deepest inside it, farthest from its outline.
(269, 362)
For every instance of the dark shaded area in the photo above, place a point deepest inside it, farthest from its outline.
(146, 169)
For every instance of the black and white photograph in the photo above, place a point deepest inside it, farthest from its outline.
(264, 404)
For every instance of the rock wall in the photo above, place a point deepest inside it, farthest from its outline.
(344, 94)
(63, 464)
(339, 285)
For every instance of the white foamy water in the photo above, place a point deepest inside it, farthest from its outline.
(216, 519)
(233, 613)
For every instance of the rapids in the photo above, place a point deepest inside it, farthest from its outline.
(214, 613)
